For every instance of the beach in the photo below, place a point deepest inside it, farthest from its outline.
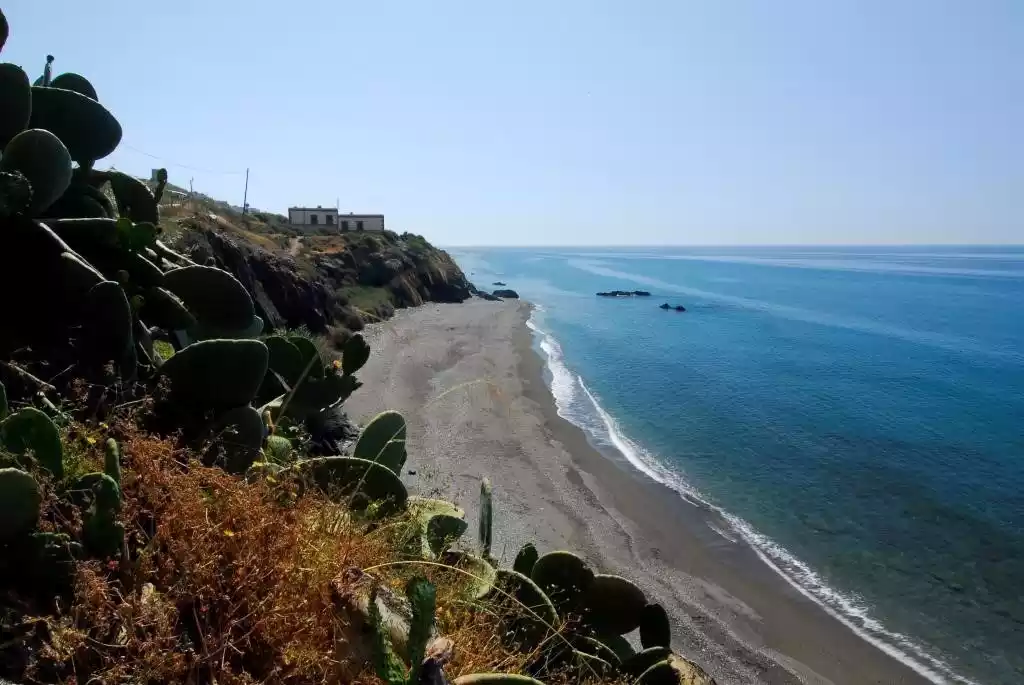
(472, 388)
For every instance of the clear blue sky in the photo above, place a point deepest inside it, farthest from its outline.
(572, 121)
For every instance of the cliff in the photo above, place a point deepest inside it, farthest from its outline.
(323, 281)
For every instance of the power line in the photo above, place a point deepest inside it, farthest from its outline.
(168, 162)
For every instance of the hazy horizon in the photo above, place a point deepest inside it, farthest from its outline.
(576, 123)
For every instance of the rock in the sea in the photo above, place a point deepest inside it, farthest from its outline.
(624, 293)
(487, 296)
(665, 305)
(507, 294)
(500, 283)
(678, 307)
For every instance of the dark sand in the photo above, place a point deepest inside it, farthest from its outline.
(472, 388)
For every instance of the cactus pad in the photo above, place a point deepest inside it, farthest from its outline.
(479, 573)
(383, 441)
(107, 328)
(19, 503)
(75, 82)
(85, 126)
(354, 354)
(495, 679)
(238, 438)
(16, 94)
(440, 523)
(44, 160)
(112, 460)
(655, 630)
(641, 661)
(531, 614)
(675, 670)
(565, 578)
(214, 297)
(30, 430)
(526, 559)
(216, 373)
(613, 604)
(356, 482)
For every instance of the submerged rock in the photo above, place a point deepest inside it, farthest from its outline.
(507, 294)
(624, 293)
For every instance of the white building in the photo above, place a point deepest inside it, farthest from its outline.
(308, 218)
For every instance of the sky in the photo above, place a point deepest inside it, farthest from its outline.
(571, 122)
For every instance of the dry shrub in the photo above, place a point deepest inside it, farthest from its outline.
(231, 581)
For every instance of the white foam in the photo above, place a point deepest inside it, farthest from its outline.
(849, 610)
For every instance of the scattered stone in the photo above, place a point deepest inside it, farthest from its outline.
(507, 294)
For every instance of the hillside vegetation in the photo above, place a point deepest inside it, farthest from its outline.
(170, 511)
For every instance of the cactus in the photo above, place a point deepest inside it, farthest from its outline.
(595, 647)
(3, 402)
(51, 562)
(354, 354)
(31, 431)
(262, 469)
(486, 518)
(284, 368)
(641, 661)
(85, 126)
(613, 604)
(161, 183)
(564, 577)
(107, 328)
(75, 82)
(439, 522)
(112, 461)
(312, 364)
(79, 276)
(100, 499)
(19, 503)
(47, 76)
(480, 575)
(383, 441)
(4, 30)
(619, 645)
(655, 630)
(165, 310)
(239, 433)
(279, 449)
(15, 193)
(356, 482)
(16, 94)
(44, 160)
(232, 308)
(495, 679)
(422, 598)
(675, 670)
(216, 373)
(531, 615)
(526, 559)
(311, 396)
(134, 198)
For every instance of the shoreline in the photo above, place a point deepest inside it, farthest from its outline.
(731, 612)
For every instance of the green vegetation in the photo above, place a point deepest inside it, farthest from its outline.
(366, 298)
(163, 519)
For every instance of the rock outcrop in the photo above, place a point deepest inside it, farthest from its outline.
(316, 286)
(624, 293)
(506, 294)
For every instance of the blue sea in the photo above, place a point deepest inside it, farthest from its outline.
(857, 414)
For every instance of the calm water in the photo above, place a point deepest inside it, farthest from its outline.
(857, 413)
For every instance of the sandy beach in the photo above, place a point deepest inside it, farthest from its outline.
(473, 391)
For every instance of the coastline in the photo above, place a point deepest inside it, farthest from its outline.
(473, 389)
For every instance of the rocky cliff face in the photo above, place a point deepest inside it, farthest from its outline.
(320, 281)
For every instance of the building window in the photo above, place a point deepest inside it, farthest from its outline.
(359, 225)
(330, 218)
(312, 218)
(344, 225)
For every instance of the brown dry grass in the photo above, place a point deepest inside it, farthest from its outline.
(231, 581)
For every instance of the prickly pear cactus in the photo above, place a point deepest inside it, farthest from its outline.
(16, 94)
(613, 604)
(19, 503)
(31, 432)
(112, 461)
(655, 629)
(3, 402)
(215, 374)
(486, 518)
(41, 158)
(107, 329)
(528, 611)
(356, 482)
(564, 577)
(89, 131)
(354, 354)
(99, 497)
(440, 523)
(231, 310)
(422, 599)
(495, 679)
(479, 574)
(526, 559)
(238, 436)
(383, 441)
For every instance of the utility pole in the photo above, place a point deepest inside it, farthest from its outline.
(245, 198)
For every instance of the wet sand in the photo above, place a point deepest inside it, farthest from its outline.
(473, 391)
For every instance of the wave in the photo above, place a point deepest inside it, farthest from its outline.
(848, 609)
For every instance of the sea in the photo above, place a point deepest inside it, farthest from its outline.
(856, 414)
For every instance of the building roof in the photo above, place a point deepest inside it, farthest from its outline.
(312, 209)
(350, 215)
